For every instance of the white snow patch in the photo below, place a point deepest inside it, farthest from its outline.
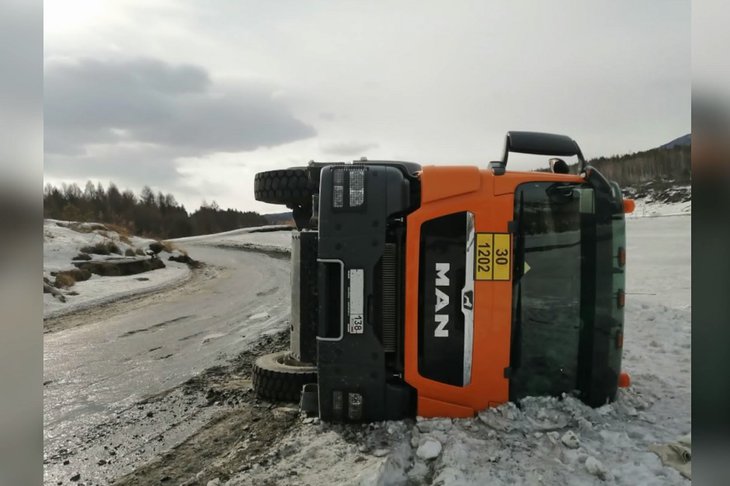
(654, 209)
(275, 238)
(61, 243)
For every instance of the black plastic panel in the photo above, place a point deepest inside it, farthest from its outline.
(357, 379)
(441, 280)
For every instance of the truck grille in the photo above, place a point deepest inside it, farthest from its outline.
(389, 309)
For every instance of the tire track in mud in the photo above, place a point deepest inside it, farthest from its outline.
(241, 430)
(155, 327)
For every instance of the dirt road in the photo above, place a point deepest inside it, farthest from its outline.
(100, 364)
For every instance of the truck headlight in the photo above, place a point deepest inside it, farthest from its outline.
(348, 182)
(357, 187)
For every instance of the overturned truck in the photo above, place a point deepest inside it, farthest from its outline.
(444, 290)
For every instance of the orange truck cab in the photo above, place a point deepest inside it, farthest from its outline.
(444, 290)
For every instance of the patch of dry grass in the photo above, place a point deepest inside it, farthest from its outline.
(84, 227)
(68, 278)
(101, 229)
(169, 247)
(102, 248)
(122, 231)
(117, 269)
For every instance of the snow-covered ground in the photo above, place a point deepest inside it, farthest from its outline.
(62, 241)
(652, 202)
(652, 209)
(274, 238)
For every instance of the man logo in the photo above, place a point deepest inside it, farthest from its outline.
(468, 300)
(442, 300)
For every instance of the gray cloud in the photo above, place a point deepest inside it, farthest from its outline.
(178, 107)
(135, 166)
(617, 80)
(348, 148)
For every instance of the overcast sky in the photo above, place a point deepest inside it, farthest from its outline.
(195, 97)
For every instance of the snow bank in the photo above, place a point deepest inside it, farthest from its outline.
(102, 290)
(653, 209)
(62, 241)
(275, 238)
(233, 234)
(654, 201)
(545, 441)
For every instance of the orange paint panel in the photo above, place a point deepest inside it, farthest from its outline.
(441, 182)
(428, 407)
(492, 309)
(506, 183)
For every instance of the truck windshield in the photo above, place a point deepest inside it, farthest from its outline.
(549, 264)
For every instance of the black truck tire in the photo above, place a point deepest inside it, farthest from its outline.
(277, 376)
(291, 187)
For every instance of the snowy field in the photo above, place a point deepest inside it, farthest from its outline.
(672, 201)
(655, 209)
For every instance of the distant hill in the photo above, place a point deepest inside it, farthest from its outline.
(669, 163)
(684, 140)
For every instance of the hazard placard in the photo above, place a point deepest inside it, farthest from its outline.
(493, 256)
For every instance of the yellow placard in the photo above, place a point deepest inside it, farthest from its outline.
(493, 256)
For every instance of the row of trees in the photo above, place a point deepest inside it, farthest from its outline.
(147, 214)
(650, 165)
(655, 165)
